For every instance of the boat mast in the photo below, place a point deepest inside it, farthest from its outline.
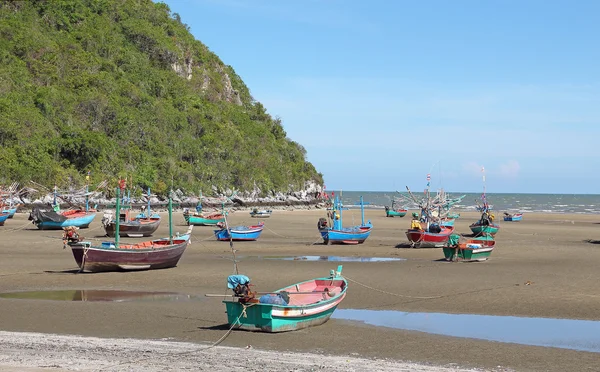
(118, 212)
(362, 211)
(170, 219)
(148, 202)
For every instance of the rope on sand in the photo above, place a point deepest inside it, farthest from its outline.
(216, 343)
(390, 293)
(428, 297)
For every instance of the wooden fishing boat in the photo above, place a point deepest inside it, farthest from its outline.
(143, 224)
(48, 219)
(203, 219)
(238, 233)
(513, 217)
(113, 256)
(400, 212)
(11, 210)
(3, 217)
(422, 238)
(477, 249)
(337, 234)
(305, 304)
(479, 228)
(261, 213)
(130, 227)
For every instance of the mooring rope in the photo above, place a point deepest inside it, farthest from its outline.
(390, 293)
(202, 349)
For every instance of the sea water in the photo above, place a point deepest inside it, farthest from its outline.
(548, 203)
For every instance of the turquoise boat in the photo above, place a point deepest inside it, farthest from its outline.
(480, 229)
(203, 219)
(302, 305)
(389, 212)
(11, 211)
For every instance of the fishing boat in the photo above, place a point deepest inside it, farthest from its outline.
(238, 233)
(115, 256)
(429, 238)
(3, 217)
(52, 218)
(398, 212)
(8, 195)
(446, 221)
(337, 234)
(483, 227)
(49, 219)
(11, 210)
(203, 219)
(513, 217)
(143, 224)
(298, 306)
(476, 249)
(130, 227)
(261, 213)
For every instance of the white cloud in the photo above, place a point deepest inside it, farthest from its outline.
(510, 169)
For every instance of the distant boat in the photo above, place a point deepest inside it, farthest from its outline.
(144, 224)
(239, 232)
(262, 213)
(113, 256)
(11, 210)
(48, 219)
(476, 249)
(399, 212)
(513, 217)
(203, 219)
(298, 306)
(337, 234)
(481, 228)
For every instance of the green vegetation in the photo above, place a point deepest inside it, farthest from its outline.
(122, 89)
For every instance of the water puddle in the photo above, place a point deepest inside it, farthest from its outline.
(98, 295)
(335, 258)
(582, 335)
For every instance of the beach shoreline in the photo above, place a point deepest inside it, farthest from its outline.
(543, 266)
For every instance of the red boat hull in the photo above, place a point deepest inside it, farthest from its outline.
(424, 239)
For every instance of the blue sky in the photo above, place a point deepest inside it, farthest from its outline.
(380, 93)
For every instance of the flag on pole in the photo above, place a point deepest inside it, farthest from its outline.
(87, 177)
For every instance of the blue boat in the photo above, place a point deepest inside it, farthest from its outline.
(226, 233)
(46, 219)
(11, 211)
(3, 217)
(337, 234)
(513, 217)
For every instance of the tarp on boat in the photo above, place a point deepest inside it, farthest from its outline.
(41, 214)
(234, 280)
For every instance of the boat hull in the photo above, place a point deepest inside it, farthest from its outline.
(479, 229)
(239, 233)
(159, 254)
(471, 250)
(3, 218)
(352, 235)
(261, 214)
(425, 239)
(133, 229)
(395, 213)
(514, 217)
(81, 222)
(202, 221)
(11, 212)
(284, 318)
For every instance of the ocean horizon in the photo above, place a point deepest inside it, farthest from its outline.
(500, 202)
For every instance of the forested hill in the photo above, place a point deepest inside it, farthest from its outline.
(121, 88)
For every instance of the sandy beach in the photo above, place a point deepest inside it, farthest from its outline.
(544, 266)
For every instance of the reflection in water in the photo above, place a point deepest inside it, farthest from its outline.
(97, 295)
(335, 258)
(573, 334)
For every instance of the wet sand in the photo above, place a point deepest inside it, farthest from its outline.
(543, 266)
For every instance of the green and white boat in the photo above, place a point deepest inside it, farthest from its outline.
(203, 219)
(298, 306)
(477, 249)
